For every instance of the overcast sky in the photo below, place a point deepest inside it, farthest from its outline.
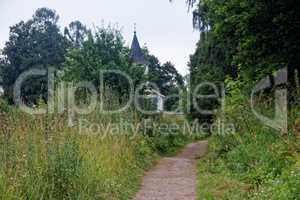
(165, 27)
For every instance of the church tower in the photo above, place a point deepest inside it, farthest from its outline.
(137, 54)
(138, 58)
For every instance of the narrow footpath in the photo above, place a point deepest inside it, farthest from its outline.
(173, 178)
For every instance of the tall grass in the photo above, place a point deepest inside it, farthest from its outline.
(42, 158)
(257, 162)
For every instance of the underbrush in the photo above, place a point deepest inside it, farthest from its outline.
(255, 162)
(167, 134)
(42, 158)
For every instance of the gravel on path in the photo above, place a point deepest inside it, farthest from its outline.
(173, 178)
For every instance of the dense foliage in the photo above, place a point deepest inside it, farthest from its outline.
(79, 54)
(241, 43)
(167, 79)
(255, 161)
(250, 38)
(34, 44)
(41, 156)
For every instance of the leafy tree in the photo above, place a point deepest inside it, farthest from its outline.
(207, 64)
(163, 75)
(245, 39)
(36, 43)
(259, 36)
(2, 65)
(77, 33)
(103, 50)
(166, 78)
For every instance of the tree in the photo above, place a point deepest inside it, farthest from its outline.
(77, 33)
(2, 65)
(245, 39)
(207, 64)
(259, 36)
(166, 78)
(103, 50)
(36, 43)
(163, 75)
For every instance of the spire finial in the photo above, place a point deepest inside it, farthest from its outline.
(134, 28)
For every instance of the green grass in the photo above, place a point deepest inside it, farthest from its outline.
(41, 158)
(256, 163)
(214, 182)
(60, 164)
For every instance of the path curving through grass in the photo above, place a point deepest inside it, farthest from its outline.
(173, 178)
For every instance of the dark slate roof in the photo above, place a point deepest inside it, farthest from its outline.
(137, 54)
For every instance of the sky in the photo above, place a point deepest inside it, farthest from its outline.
(166, 28)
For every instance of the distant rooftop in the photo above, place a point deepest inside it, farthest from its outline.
(137, 54)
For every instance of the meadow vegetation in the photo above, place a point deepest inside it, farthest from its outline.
(243, 42)
(51, 156)
(256, 162)
(42, 158)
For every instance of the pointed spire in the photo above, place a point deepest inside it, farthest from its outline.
(134, 28)
(137, 54)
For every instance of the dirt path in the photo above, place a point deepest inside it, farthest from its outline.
(173, 178)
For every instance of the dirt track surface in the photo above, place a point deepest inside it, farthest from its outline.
(173, 178)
